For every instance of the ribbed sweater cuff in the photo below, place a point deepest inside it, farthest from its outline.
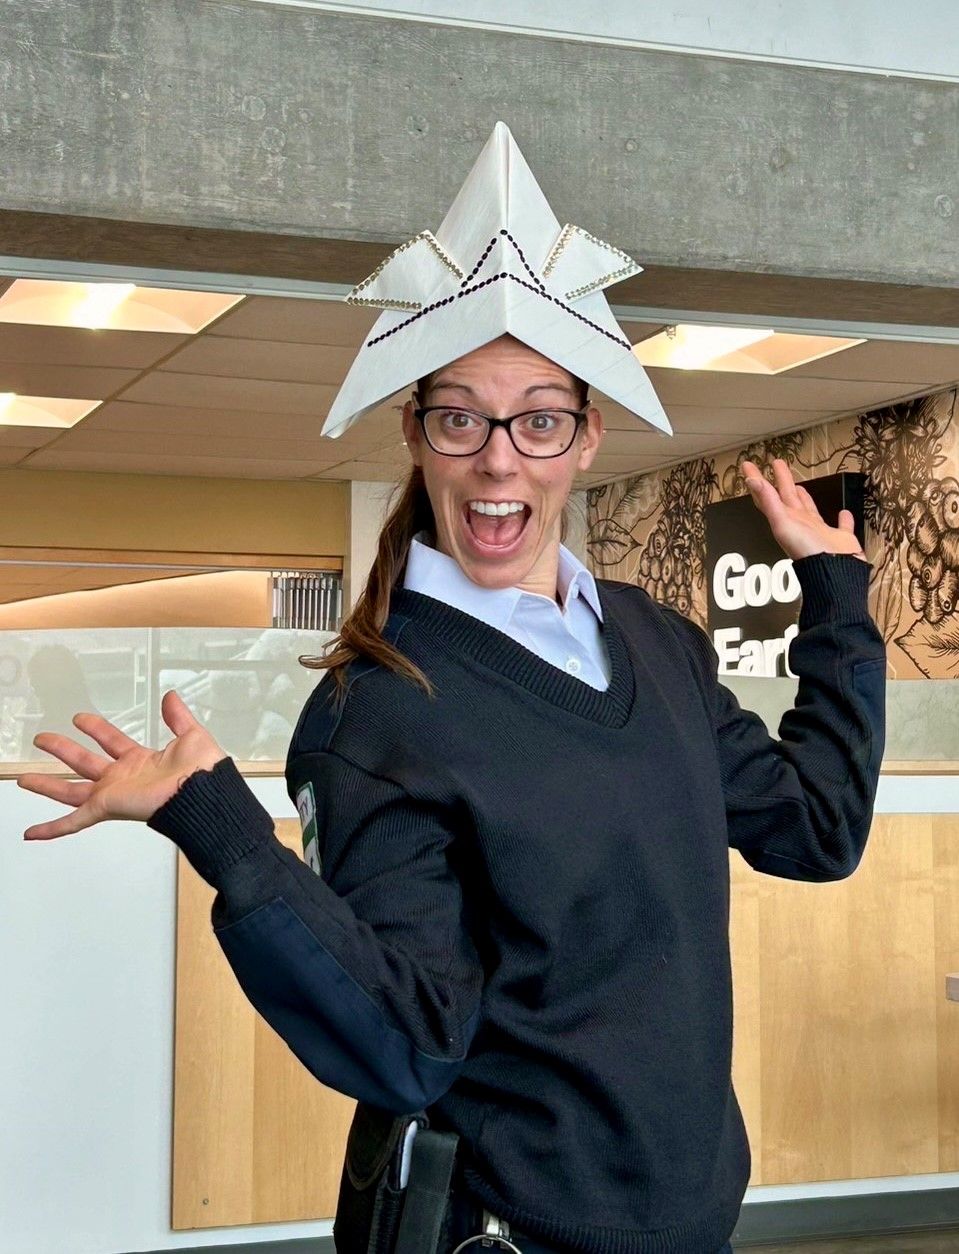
(215, 819)
(835, 589)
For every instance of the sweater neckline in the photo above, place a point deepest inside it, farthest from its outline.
(462, 635)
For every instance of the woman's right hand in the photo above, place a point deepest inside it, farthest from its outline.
(130, 782)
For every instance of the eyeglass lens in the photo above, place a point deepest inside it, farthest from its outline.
(543, 433)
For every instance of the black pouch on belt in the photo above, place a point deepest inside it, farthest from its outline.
(371, 1197)
(375, 1213)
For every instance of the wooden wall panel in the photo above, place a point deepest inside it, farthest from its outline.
(744, 913)
(256, 1138)
(846, 1056)
(891, 1024)
(945, 829)
(804, 951)
(214, 1060)
(856, 1043)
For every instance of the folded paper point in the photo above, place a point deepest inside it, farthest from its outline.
(500, 264)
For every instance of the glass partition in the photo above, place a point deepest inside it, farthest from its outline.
(245, 684)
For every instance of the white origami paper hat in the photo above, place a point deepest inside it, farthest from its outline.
(500, 264)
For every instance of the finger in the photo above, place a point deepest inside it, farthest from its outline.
(752, 471)
(176, 713)
(68, 791)
(764, 494)
(808, 503)
(846, 521)
(82, 761)
(107, 735)
(76, 821)
(786, 483)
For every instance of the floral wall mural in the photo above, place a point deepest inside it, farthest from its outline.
(650, 530)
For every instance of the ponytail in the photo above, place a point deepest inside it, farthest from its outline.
(361, 633)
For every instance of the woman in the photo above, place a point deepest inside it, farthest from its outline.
(522, 785)
(519, 785)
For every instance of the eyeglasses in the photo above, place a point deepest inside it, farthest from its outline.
(535, 433)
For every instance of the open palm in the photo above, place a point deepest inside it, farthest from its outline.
(126, 781)
(794, 517)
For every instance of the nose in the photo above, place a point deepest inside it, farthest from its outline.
(498, 458)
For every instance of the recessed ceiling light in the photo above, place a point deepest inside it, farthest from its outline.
(742, 350)
(42, 411)
(111, 306)
(101, 302)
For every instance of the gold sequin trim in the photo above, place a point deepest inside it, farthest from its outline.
(355, 297)
(567, 233)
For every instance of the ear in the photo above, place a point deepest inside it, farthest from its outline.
(412, 434)
(593, 433)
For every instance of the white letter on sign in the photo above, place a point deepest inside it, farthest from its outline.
(757, 585)
(785, 583)
(728, 592)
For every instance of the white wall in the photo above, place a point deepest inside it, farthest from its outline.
(860, 34)
(87, 939)
(369, 505)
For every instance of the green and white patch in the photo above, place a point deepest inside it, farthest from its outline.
(306, 805)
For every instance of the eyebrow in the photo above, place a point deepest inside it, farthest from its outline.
(535, 387)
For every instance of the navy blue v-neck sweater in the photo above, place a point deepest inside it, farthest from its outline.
(521, 921)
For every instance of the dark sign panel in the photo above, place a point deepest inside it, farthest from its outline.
(752, 592)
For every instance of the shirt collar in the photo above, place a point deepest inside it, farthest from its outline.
(574, 579)
(434, 574)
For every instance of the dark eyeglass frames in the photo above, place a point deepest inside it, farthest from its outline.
(457, 432)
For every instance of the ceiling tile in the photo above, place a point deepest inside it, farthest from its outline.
(371, 472)
(228, 424)
(258, 395)
(751, 391)
(83, 382)
(616, 464)
(650, 445)
(931, 365)
(263, 359)
(389, 455)
(81, 440)
(27, 437)
(77, 346)
(173, 464)
(298, 321)
(707, 420)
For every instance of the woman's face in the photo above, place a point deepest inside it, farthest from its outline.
(521, 549)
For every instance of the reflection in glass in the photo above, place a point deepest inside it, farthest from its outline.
(244, 684)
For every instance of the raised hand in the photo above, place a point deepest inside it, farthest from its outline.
(127, 781)
(794, 518)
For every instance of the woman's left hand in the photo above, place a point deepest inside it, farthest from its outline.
(794, 518)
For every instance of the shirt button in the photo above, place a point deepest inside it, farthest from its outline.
(574, 665)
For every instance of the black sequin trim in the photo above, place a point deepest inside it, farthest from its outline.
(536, 287)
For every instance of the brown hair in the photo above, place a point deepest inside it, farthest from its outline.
(361, 632)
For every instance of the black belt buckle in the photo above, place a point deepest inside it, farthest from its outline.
(495, 1236)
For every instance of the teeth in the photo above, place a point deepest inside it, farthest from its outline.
(500, 508)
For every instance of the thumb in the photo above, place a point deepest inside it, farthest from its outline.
(846, 520)
(176, 713)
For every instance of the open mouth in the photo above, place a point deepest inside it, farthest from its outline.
(496, 525)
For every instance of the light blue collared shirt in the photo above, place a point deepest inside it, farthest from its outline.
(568, 636)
